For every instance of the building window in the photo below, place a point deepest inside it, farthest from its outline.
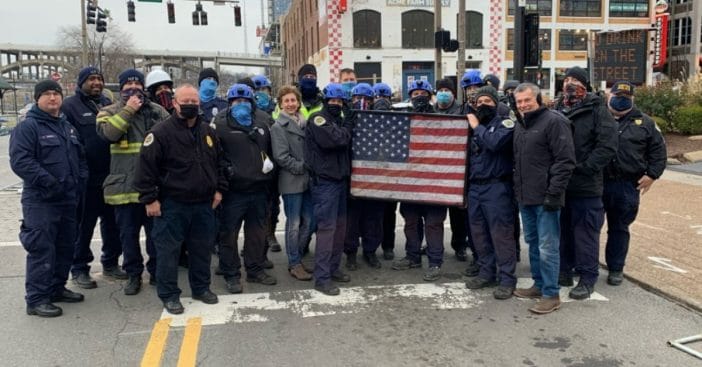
(474, 29)
(572, 40)
(581, 8)
(682, 31)
(628, 8)
(366, 29)
(543, 7)
(544, 39)
(417, 29)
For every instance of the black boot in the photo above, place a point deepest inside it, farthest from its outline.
(133, 285)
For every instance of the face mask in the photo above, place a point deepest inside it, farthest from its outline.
(165, 99)
(620, 103)
(381, 104)
(263, 100)
(189, 111)
(362, 104)
(127, 93)
(420, 103)
(208, 88)
(486, 113)
(241, 112)
(334, 110)
(347, 87)
(444, 98)
(308, 87)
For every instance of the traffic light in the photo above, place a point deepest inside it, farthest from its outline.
(203, 18)
(452, 46)
(199, 15)
(237, 16)
(442, 38)
(131, 11)
(171, 12)
(101, 22)
(532, 53)
(90, 13)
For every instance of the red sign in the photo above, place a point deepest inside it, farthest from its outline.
(660, 47)
(56, 76)
(343, 6)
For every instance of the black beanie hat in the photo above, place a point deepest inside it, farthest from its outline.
(446, 83)
(85, 73)
(487, 91)
(46, 85)
(247, 81)
(130, 75)
(578, 73)
(306, 69)
(207, 73)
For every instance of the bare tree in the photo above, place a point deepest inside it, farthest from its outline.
(115, 46)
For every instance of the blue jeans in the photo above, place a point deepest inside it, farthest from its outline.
(298, 224)
(542, 234)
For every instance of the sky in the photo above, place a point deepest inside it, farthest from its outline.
(35, 22)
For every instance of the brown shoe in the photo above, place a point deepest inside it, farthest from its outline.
(546, 305)
(299, 273)
(532, 292)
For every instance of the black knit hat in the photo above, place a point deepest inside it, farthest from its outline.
(207, 73)
(45, 86)
(306, 69)
(248, 81)
(446, 83)
(130, 75)
(579, 74)
(487, 91)
(85, 73)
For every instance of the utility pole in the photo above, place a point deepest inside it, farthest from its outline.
(461, 57)
(437, 51)
(84, 35)
(519, 29)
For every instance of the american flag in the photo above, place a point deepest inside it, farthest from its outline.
(409, 157)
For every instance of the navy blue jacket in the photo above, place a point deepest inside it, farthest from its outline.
(491, 156)
(46, 154)
(212, 108)
(81, 111)
(641, 149)
(327, 146)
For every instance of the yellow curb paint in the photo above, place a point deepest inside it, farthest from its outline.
(191, 339)
(157, 343)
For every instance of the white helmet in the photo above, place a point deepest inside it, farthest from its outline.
(156, 77)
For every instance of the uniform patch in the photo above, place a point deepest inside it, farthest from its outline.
(149, 139)
(638, 122)
(319, 121)
(209, 141)
(508, 123)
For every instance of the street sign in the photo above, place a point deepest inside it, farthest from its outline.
(621, 55)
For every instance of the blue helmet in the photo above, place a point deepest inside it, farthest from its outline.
(260, 81)
(382, 90)
(335, 91)
(420, 84)
(240, 91)
(363, 89)
(471, 78)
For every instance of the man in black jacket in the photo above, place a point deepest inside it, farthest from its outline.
(640, 160)
(543, 163)
(595, 141)
(81, 110)
(179, 177)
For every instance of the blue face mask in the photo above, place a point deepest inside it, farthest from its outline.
(620, 103)
(208, 88)
(263, 100)
(241, 112)
(444, 98)
(308, 87)
(347, 87)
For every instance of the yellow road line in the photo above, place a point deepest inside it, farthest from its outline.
(157, 343)
(191, 338)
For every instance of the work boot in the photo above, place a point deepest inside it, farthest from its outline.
(423, 251)
(531, 292)
(546, 305)
(472, 270)
(273, 243)
(234, 285)
(114, 272)
(133, 285)
(461, 255)
(83, 280)
(207, 297)
(67, 296)
(615, 278)
(262, 278)
(388, 254)
(267, 264)
(308, 268)
(328, 289)
(351, 263)
(45, 310)
(503, 292)
(581, 291)
(298, 272)
(565, 280)
(174, 307)
(339, 276)
(372, 260)
(432, 274)
(479, 283)
(405, 263)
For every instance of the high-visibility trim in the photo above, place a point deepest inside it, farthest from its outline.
(118, 122)
(120, 199)
(132, 148)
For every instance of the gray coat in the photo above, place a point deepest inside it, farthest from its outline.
(288, 141)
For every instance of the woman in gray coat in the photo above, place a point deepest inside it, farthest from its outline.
(288, 141)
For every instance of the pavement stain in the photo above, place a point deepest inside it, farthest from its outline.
(559, 342)
(600, 361)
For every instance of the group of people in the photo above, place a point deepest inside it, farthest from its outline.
(191, 168)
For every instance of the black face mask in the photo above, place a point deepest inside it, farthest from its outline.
(189, 111)
(420, 103)
(334, 110)
(486, 113)
(381, 104)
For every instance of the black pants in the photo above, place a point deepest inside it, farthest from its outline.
(249, 208)
(91, 207)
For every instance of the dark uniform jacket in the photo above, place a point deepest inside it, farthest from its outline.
(491, 157)
(327, 145)
(544, 157)
(245, 149)
(453, 109)
(641, 149)
(595, 140)
(180, 163)
(46, 154)
(210, 109)
(81, 111)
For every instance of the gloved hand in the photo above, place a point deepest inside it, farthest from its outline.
(348, 111)
(552, 203)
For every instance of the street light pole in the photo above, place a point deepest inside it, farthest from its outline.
(437, 51)
(83, 34)
(461, 62)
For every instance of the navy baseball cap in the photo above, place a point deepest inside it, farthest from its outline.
(622, 86)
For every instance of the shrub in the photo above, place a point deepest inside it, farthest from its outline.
(688, 120)
(662, 100)
(665, 126)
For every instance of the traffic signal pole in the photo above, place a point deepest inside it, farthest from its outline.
(519, 29)
(461, 57)
(83, 34)
(437, 51)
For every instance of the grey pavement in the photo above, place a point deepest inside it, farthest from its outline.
(694, 168)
